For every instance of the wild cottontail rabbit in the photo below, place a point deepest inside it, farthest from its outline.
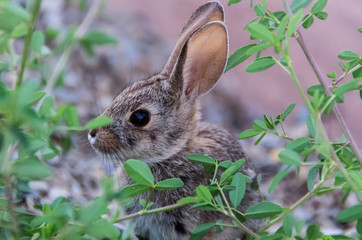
(157, 121)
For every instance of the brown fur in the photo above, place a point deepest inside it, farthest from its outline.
(174, 130)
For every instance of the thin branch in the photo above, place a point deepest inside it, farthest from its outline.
(324, 84)
(83, 27)
(295, 206)
(27, 42)
(346, 74)
(148, 212)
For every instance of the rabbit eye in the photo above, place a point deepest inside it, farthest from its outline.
(140, 118)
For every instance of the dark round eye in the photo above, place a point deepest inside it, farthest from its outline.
(140, 118)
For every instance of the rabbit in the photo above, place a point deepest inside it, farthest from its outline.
(157, 121)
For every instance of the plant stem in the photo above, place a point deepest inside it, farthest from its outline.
(231, 214)
(322, 132)
(83, 27)
(324, 84)
(148, 212)
(346, 74)
(295, 206)
(27, 41)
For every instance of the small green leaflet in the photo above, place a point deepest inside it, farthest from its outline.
(259, 125)
(290, 157)
(231, 170)
(311, 177)
(277, 178)
(139, 172)
(133, 190)
(201, 230)
(348, 55)
(233, 2)
(319, 6)
(263, 210)
(169, 184)
(350, 214)
(237, 195)
(204, 193)
(292, 27)
(98, 122)
(260, 64)
(249, 133)
(298, 4)
(238, 57)
(261, 32)
(37, 41)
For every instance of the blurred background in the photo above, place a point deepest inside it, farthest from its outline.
(146, 32)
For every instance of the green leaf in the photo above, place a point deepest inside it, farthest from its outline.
(360, 29)
(204, 193)
(98, 122)
(290, 157)
(357, 73)
(332, 75)
(233, 2)
(239, 215)
(311, 177)
(231, 170)
(259, 125)
(46, 108)
(350, 214)
(201, 159)
(288, 111)
(298, 4)
(319, 6)
(313, 232)
(260, 64)
(352, 85)
(277, 178)
(282, 26)
(308, 20)
(20, 31)
(261, 32)
(71, 116)
(348, 55)
(11, 15)
(288, 224)
(259, 10)
(219, 227)
(139, 172)
(259, 139)
(98, 38)
(292, 26)
(249, 133)
(311, 125)
(299, 144)
(359, 226)
(263, 210)
(201, 230)
(30, 169)
(169, 184)
(237, 195)
(238, 57)
(133, 190)
(102, 229)
(189, 200)
(37, 41)
(322, 15)
(258, 48)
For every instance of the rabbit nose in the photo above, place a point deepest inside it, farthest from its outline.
(92, 134)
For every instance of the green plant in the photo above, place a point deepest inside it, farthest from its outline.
(29, 120)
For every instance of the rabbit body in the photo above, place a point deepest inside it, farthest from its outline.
(157, 121)
(179, 223)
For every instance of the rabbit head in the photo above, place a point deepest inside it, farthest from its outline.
(156, 118)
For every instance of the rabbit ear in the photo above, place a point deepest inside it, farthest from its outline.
(212, 11)
(202, 60)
